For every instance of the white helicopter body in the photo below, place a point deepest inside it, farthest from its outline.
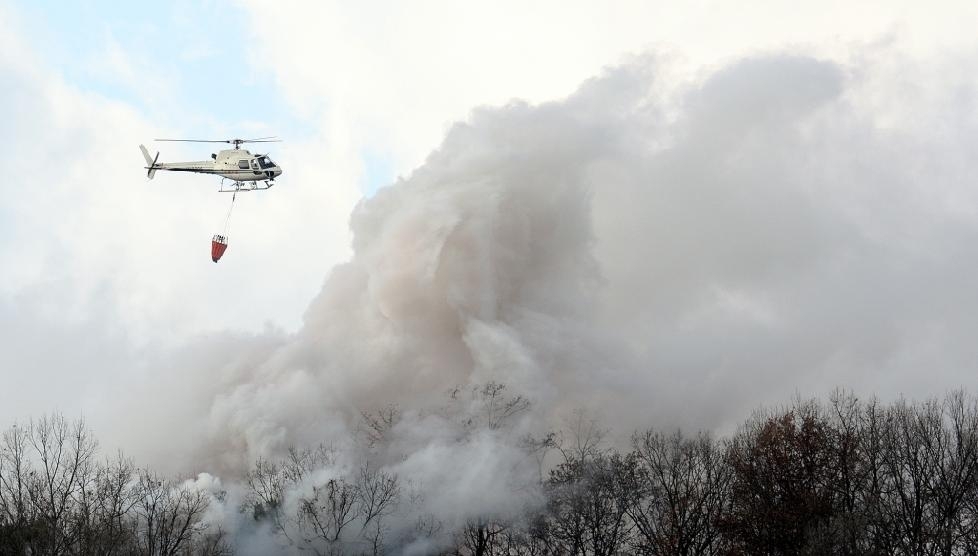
(243, 168)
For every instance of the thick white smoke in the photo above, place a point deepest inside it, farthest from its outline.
(659, 253)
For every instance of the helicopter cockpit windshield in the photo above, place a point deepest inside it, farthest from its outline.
(265, 162)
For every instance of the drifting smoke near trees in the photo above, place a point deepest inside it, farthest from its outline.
(843, 477)
(650, 250)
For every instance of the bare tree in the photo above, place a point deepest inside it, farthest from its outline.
(911, 463)
(332, 516)
(498, 408)
(588, 491)
(328, 511)
(581, 439)
(488, 407)
(341, 517)
(377, 425)
(588, 504)
(104, 510)
(957, 476)
(268, 482)
(378, 497)
(267, 485)
(481, 537)
(17, 489)
(529, 537)
(782, 470)
(679, 493)
(168, 516)
(931, 473)
(65, 454)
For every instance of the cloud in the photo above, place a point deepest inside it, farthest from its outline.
(785, 241)
(393, 78)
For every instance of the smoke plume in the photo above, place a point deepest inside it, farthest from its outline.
(656, 252)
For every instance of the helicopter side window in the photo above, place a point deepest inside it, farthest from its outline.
(243, 164)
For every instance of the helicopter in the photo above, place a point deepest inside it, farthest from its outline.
(245, 170)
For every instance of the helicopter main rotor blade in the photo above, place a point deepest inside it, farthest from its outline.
(196, 140)
(229, 141)
(272, 138)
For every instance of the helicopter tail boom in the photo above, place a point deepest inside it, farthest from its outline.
(151, 162)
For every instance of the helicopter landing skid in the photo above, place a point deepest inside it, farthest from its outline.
(245, 186)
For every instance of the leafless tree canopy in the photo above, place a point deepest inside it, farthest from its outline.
(57, 497)
(844, 476)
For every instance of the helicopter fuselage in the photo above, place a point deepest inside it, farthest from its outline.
(237, 165)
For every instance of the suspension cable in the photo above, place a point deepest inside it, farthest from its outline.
(227, 221)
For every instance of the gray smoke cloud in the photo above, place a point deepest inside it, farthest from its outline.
(659, 253)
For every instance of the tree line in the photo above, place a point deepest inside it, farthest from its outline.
(844, 477)
(840, 476)
(58, 497)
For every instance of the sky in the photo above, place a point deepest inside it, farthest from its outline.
(855, 273)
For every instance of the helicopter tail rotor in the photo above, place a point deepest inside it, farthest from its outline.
(151, 162)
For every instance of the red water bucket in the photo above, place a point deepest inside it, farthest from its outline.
(218, 246)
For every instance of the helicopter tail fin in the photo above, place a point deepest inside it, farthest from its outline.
(150, 162)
